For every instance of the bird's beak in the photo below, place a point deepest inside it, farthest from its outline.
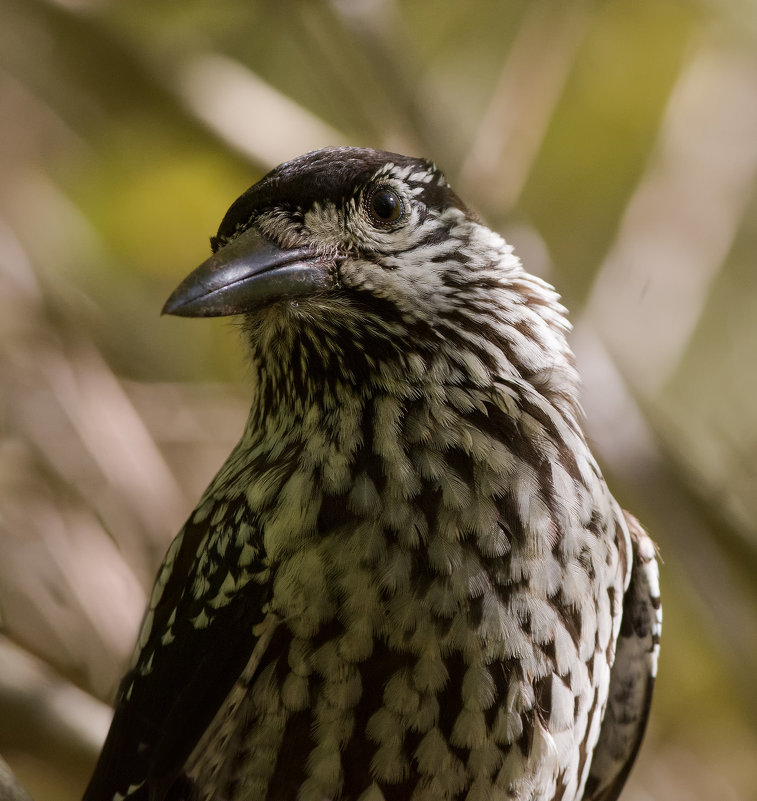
(247, 273)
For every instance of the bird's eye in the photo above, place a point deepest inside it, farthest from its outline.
(385, 206)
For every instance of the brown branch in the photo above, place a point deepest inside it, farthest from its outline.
(10, 789)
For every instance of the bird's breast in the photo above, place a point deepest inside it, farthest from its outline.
(446, 586)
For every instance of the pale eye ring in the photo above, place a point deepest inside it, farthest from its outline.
(385, 206)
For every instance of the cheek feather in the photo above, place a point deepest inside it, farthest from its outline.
(325, 223)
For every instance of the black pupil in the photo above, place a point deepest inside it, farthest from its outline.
(385, 205)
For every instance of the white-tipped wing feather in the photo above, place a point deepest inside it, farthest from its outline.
(633, 673)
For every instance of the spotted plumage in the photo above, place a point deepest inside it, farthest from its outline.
(409, 580)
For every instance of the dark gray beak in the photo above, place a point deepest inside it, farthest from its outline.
(247, 273)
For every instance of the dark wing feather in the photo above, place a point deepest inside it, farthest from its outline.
(195, 650)
(632, 676)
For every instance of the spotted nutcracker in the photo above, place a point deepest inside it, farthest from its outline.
(409, 580)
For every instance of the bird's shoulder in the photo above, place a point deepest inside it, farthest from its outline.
(197, 634)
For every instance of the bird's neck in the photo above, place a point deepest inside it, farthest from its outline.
(348, 392)
(314, 363)
(420, 443)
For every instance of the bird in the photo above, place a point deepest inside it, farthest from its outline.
(409, 581)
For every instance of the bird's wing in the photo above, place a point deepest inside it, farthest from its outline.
(633, 673)
(198, 635)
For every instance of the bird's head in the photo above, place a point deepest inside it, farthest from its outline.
(365, 246)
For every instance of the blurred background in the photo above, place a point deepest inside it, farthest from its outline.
(613, 142)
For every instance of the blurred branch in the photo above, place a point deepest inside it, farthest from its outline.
(521, 107)
(717, 502)
(67, 591)
(680, 223)
(338, 38)
(651, 485)
(115, 436)
(10, 789)
(242, 110)
(401, 118)
(646, 301)
(45, 715)
(87, 75)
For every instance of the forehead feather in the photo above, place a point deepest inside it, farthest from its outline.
(332, 175)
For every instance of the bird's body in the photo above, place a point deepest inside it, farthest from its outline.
(409, 581)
